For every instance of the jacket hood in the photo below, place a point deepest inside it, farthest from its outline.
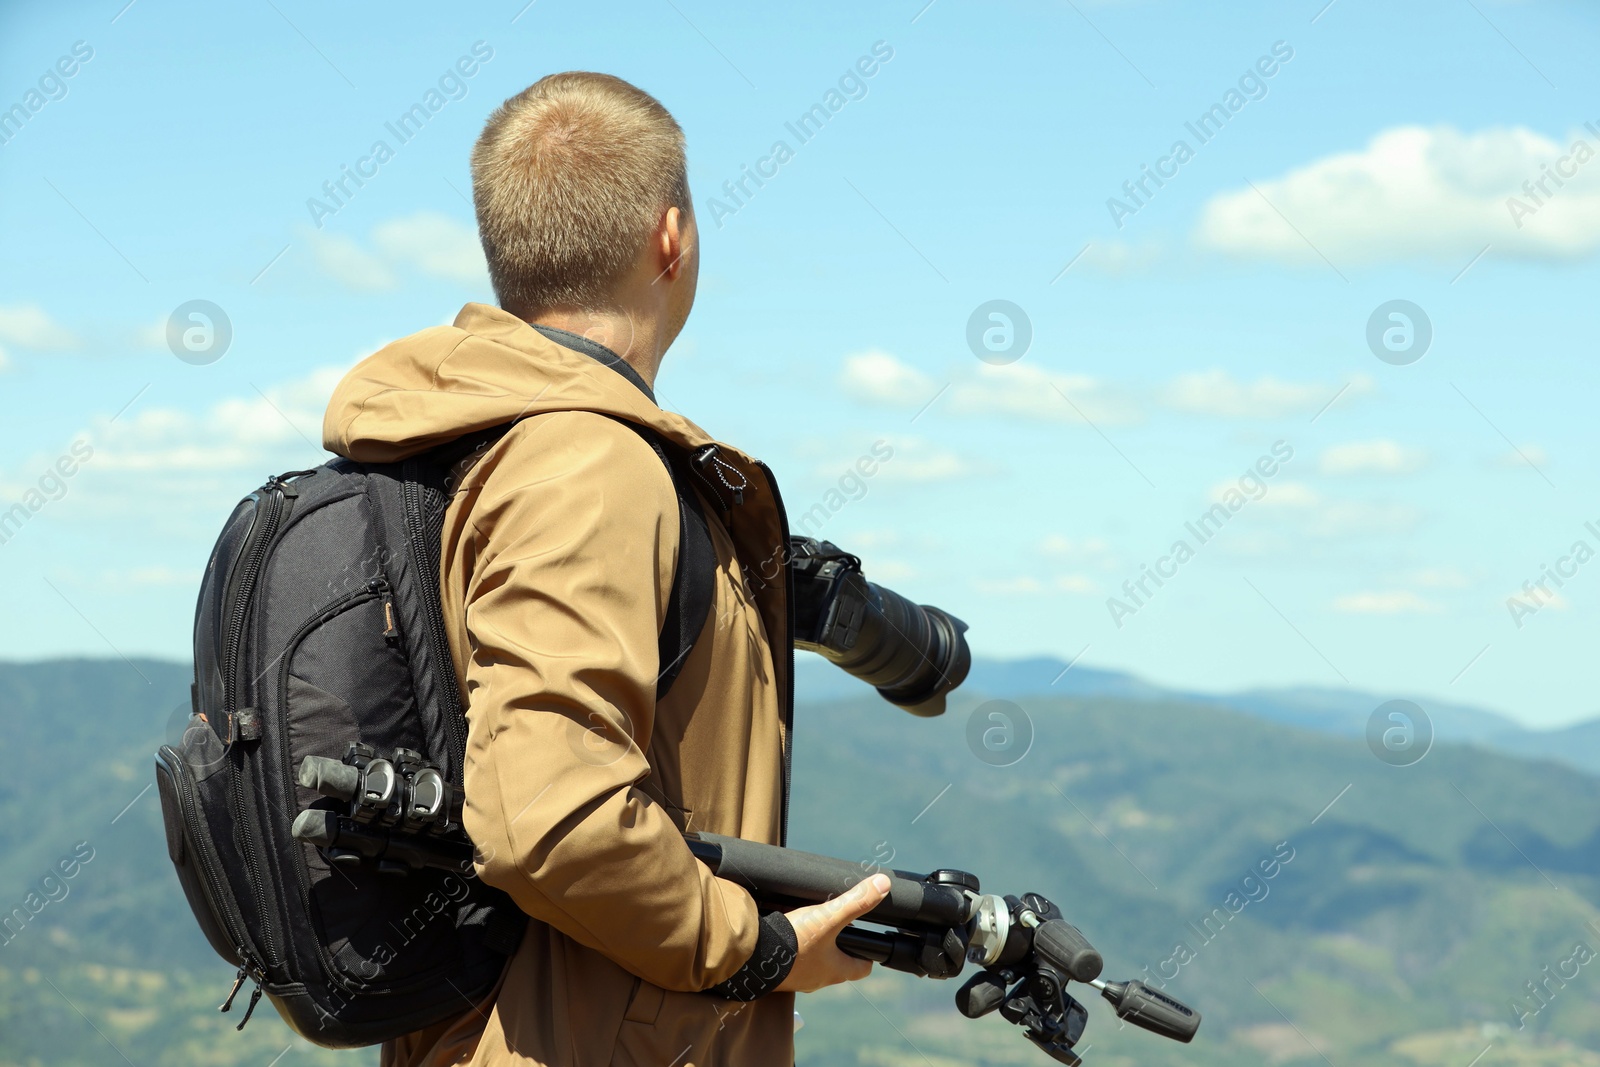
(485, 369)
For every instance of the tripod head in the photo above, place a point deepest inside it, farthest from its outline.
(1025, 977)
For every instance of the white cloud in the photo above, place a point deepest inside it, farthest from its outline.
(1417, 193)
(1372, 457)
(153, 577)
(1393, 603)
(1089, 552)
(915, 460)
(5, 361)
(1017, 390)
(30, 326)
(1077, 583)
(198, 460)
(1355, 518)
(1056, 545)
(1293, 512)
(910, 459)
(431, 244)
(344, 260)
(252, 433)
(1028, 391)
(1217, 393)
(1066, 548)
(937, 467)
(1297, 509)
(1117, 258)
(437, 245)
(880, 378)
(1259, 544)
(1441, 578)
(1285, 494)
(151, 335)
(1541, 599)
(1519, 458)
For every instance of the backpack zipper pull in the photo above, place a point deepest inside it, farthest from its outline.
(391, 629)
(283, 482)
(707, 457)
(250, 1008)
(238, 981)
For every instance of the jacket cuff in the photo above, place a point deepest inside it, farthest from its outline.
(768, 966)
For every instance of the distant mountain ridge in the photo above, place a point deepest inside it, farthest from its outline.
(1342, 712)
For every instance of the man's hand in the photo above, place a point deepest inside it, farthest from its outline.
(819, 962)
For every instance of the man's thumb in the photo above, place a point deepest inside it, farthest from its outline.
(866, 895)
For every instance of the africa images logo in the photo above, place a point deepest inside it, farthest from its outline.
(851, 85)
(1252, 85)
(451, 85)
(1253, 484)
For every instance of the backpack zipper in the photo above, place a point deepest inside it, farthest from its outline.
(438, 643)
(262, 531)
(208, 863)
(274, 495)
(272, 498)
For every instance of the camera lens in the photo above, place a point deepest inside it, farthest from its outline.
(913, 655)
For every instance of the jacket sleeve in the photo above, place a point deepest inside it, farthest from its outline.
(576, 531)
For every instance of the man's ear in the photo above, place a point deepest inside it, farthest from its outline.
(670, 240)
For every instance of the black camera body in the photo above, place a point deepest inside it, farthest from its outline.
(912, 654)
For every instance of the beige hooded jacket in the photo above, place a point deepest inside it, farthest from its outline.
(559, 549)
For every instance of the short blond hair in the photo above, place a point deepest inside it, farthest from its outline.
(569, 179)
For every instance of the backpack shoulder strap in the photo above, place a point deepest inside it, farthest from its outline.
(694, 580)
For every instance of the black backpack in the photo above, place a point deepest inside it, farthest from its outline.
(319, 625)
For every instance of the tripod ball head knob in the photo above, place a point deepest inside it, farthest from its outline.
(1061, 944)
(983, 993)
(1151, 1009)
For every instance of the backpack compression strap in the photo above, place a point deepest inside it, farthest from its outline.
(693, 582)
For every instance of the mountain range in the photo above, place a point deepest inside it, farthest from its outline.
(1343, 712)
(1414, 916)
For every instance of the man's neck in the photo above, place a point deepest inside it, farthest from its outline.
(633, 336)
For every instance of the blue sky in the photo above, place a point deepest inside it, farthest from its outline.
(1169, 354)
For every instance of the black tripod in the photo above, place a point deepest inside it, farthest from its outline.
(401, 816)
